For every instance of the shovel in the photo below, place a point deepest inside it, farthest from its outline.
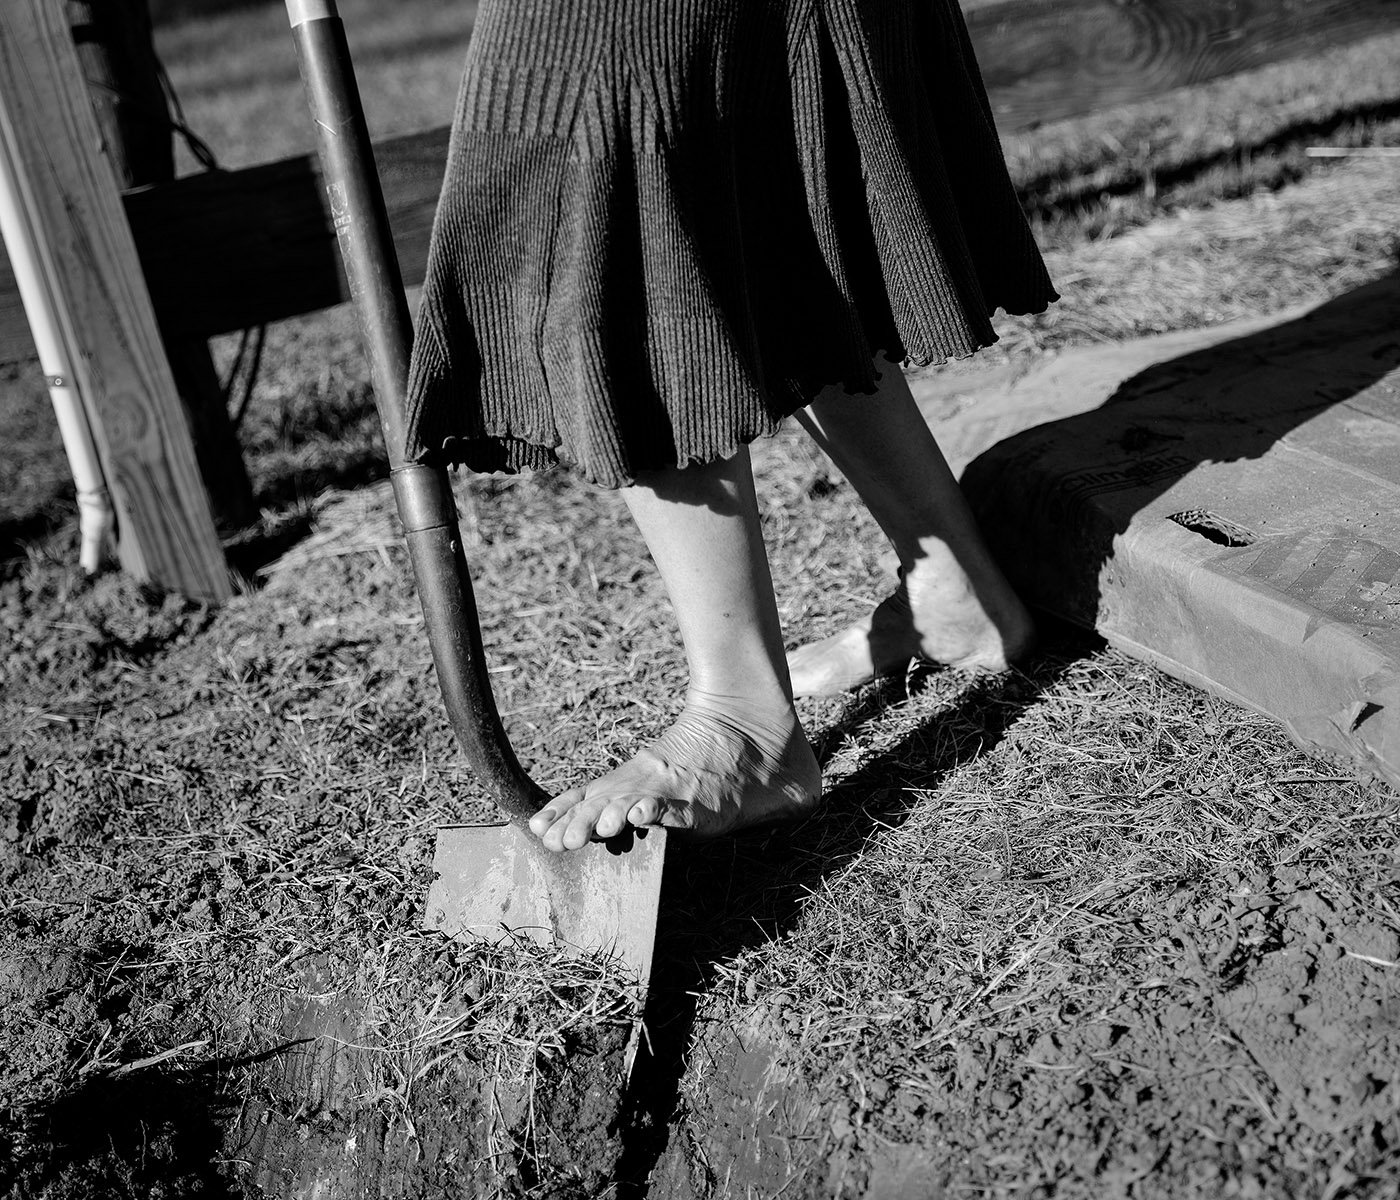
(490, 881)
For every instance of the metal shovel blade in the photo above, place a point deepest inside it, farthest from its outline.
(496, 881)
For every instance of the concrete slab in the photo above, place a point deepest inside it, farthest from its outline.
(1225, 504)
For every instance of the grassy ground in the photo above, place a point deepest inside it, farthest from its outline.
(1080, 931)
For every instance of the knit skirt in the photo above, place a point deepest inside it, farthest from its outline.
(668, 224)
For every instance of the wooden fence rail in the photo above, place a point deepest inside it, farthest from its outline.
(232, 249)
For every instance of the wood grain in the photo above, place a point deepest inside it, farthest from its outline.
(166, 534)
(122, 73)
(1045, 60)
(225, 251)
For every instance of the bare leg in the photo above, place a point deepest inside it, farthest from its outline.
(737, 755)
(953, 604)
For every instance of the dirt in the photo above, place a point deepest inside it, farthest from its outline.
(94, 1134)
(315, 1123)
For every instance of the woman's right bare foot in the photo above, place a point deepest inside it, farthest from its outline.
(934, 614)
(722, 766)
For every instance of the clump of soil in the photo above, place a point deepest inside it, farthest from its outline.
(1307, 994)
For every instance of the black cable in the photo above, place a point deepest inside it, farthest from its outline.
(204, 155)
(198, 147)
(260, 337)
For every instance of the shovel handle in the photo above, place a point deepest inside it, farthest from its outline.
(423, 493)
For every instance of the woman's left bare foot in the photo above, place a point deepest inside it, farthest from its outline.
(936, 614)
(722, 766)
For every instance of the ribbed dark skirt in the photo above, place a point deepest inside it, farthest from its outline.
(668, 224)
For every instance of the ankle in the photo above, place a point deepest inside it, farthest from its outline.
(769, 740)
(767, 709)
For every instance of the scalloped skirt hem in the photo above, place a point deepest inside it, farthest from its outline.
(509, 453)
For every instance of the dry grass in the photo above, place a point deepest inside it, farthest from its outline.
(1029, 815)
(236, 73)
(1235, 259)
(424, 1008)
(1098, 177)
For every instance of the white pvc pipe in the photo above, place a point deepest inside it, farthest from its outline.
(58, 350)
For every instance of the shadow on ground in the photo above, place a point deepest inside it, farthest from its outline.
(1054, 499)
(153, 1133)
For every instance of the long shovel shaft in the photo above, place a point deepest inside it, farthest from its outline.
(454, 633)
(423, 493)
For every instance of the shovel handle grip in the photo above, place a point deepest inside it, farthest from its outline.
(423, 493)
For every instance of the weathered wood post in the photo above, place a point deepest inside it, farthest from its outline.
(123, 75)
(166, 532)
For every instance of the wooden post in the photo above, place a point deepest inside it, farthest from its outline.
(123, 76)
(166, 531)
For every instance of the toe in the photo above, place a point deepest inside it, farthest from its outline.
(560, 836)
(576, 835)
(612, 820)
(645, 812)
(557, 817)
(664, 813)
(553, 837)
(582, 823)
(542, 820)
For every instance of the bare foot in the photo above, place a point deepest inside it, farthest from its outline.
(934, 614)
(722, 766)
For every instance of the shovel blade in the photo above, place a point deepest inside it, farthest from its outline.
(497, 882)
